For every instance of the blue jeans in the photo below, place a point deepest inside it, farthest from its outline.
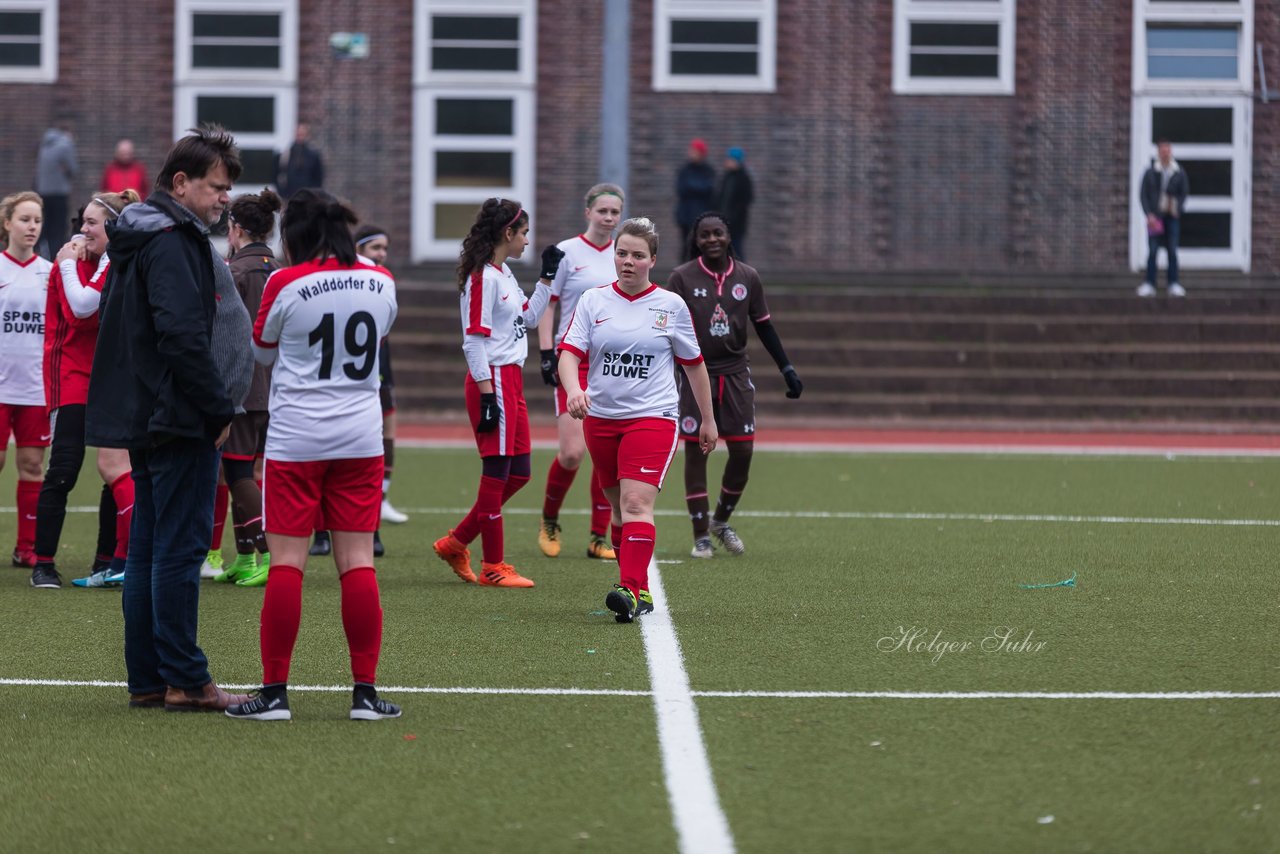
(174, 484)
(1172, 226)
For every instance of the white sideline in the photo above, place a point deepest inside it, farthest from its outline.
(701, 825)
(774, 695)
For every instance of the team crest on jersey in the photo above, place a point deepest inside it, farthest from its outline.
(739, 291)
(719, 322)
(689, 424)
(660, 322)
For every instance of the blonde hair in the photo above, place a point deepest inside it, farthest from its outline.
(642, 227)
(8, 205)
(604, 190)
(114, 203)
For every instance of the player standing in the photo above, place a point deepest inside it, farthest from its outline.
(495, 319)
(319, 326)
(24, 278)
(588, 263)
(723, 296)
(632, 333)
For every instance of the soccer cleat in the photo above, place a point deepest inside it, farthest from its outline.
(242, 567)
(45, 577)
(366, 705)
(24, 559)
(502, 575)
(458, 556)
(728, 538)
(322, 546)
(1146, 289)
(115, 572)
(645, 603)
(549, 537)
(622, 602)
(269, 704)
(702, 548)
(599, 549)
(391, 514)
(93, 579)
(378, 548)
(212, 566)
(257, 577)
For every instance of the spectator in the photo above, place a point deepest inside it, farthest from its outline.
(56, 168)
(124, 172)
(158, 393)
(735, 198)
(1164, 198)
(301, 166)
(695, 190)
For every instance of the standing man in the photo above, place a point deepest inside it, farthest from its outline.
(56, 168)
(695, 192)
(301, 166)
(124, 172)
(1164, 198)
(155, 389)
(735, 199)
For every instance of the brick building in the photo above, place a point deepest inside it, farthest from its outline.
(1000, 137)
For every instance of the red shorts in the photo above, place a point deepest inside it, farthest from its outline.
(29, 425)
(631, 448)
(347, 492)
(511, 438)
(562, 397)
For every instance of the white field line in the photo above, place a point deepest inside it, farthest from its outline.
(885, 516)
(701, 825)
(768, 695)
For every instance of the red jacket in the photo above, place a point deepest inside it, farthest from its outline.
(117, 178)
(68, 340)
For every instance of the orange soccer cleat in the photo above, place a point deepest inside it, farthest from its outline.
(457, 556)
(502, 575)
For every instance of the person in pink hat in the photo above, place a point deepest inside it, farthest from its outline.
(695, 191)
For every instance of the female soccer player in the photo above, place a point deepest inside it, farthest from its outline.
(588, 263)
(24, 278)
(495, 317)
(319, 325)
(70, 334)
(631, 334)
(723, 296)
(250, 221)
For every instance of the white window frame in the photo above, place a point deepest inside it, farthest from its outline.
(286, 104)
(287, 73)
(1146, 12)
(763, 12)
(525, 10)
(999, 12)
(1239, 204)
(429, 86)
(47, 70)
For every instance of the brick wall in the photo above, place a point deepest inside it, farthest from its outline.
(1266, 153)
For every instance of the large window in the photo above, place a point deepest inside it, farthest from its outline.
(473, 115)
(714, 45)
(953, 47)
(1200, 46)
(29, 41)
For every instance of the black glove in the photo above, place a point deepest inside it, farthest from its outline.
(794, 386)
(550, 375)
(551, 258)
(489, 413)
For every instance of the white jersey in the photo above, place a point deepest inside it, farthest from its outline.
(24, 288)
(584, 266)
(632, 344)
(496, 312)
(322, 324)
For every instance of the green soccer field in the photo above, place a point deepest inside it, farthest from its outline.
(870, 676)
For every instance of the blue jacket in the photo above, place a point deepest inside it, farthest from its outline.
(695, 192)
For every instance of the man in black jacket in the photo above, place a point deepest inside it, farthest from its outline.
(735, 197)
(155, 390)
(301, 166)
(1164, 198)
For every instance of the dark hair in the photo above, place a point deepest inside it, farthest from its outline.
(494, 218)
(693, 233)
(366, 231)
(316, 226)
(198, 152)
(255, 213)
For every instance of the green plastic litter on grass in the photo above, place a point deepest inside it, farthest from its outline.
(1070, 582)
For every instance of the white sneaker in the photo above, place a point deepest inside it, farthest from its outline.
(1177, 290)
(728, 538)
(391, 514)
(212, 566)
(1146, 289)
(702, 548)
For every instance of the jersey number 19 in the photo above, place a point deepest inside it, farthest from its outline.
(364, 350)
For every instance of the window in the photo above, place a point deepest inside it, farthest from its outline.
(953, 47)
(29, 41)
(714, 45)
(1202, 46)
(473, 116)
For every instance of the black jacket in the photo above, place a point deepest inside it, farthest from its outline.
(1179, 188)
(736, 195)
(153, 375)
(695, 192)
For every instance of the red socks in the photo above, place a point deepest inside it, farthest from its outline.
(362, 620)
(559, 479)
(281, 616)
(601, 512)
(514, 485)
(28, 496)
(220, 499)
(485, 518)
(634, 555)
(122, 492)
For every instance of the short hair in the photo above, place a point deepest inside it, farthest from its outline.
(642, 227)
(198, 152)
